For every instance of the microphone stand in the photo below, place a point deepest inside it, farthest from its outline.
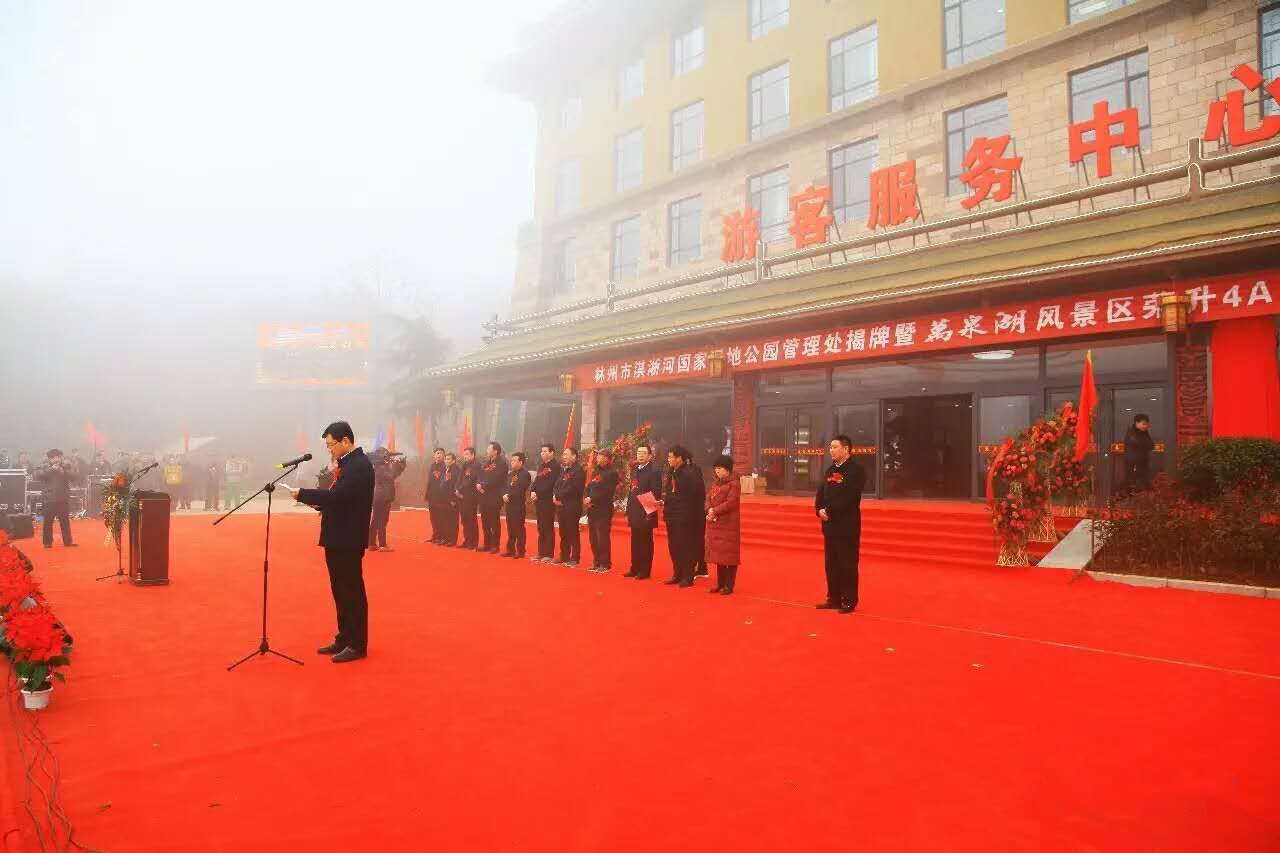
(264, 648)
(119, 572)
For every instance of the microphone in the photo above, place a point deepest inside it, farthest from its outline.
(149, 467)
(306, 457)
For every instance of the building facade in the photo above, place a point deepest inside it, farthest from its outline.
(903, 221)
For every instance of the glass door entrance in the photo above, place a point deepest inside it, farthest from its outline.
(927, 450)
(793, 447)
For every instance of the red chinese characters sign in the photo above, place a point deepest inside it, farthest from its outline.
(1128, 309)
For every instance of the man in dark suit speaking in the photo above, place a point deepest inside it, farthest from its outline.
(345, 508)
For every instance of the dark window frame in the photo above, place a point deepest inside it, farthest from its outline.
(672, 232)
(837, 188)
(1264, 98)
(947, 50)
(613, 251)
(702, 144)
(875, 82)
(753, 25)
(946, 142)
(764, 229)
(1143, 130)
(751, 137)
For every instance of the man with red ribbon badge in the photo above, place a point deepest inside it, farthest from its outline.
(599, 505)
(839, 506)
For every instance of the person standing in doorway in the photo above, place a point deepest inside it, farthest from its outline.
(1138, 446)
(646, 479)
(838, 506)
(345, 509)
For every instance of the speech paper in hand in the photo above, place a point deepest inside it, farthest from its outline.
(648, 501)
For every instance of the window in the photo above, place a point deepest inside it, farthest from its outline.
(686, 136)
(688, 47)
(569, 187)
(770, 106)
(1122, 83)
(975, 28)
(851, 168)
(686, 230)
(768, 193)
(989, 118)
(1269, 53)
(1078, 10)
(570, 114)
(852, 68)
(563, 267)
(629, 159)
(626, 249)
(630, 81)
(768, 15)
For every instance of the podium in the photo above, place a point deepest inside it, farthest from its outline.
(149, 539)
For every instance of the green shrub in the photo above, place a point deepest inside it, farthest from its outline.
(1210, 468)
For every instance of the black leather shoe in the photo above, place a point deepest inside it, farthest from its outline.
(847, 608)
(685, 584)
(331, 649)
(829, 605)
(347, 655)
(642, 577)
(726, 591)
(629, 574)
(715, 590)
(671, 582)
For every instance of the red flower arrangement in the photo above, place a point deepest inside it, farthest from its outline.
(16, 587)
(31, 637)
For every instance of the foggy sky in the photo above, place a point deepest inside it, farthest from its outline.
(174, 172)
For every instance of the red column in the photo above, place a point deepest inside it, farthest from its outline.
(744, 422)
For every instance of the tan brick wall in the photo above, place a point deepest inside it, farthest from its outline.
(1190, 57)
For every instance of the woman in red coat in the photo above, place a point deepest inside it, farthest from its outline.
(724, 538)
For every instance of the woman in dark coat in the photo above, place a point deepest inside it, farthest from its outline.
(724, 532)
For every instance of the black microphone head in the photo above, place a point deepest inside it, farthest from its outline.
(306, 457)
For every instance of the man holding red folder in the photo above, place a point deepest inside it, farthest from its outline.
(642, 511)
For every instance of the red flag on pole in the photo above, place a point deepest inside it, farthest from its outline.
(464, 440)
(1088, 402)
(391, 435)
(568, 433)
(419, 434)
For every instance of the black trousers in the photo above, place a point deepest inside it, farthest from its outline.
(842, 569)
(491, 521)
(470, 529)
(570, 535)
(346, 579)
(378, 522)
(515, 531)
(642, 550)
(433, 512)
(448, 524)
(726, 576)
(59, 511)
(211, 496)
(598, 528)
(682, 539)
(546, 528)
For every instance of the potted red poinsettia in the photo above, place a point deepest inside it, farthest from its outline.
(39, 648)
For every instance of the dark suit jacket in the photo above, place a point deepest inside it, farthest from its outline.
(493, 476)
(345, 508)
(841, 496)
(467, 474)
(518, 492)
(544, 482)
(568, 489)
(646, 479)
(601, 490)
(683, 497)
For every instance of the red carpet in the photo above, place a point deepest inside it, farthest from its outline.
(513, 706)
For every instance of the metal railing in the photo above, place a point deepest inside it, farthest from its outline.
(1193, 171)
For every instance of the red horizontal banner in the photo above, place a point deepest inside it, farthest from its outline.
(1127, 309)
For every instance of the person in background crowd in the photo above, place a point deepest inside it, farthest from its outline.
(173, 481)
(55, 481)
(237, 470)
(387, 468)
(491, 484)
(1138, 446)
(698, 546)
(449, 512)
(24, 462)
(212, 485)
(79, 468)
(682, 511)
(188, 483)
(599, 505)
(469, 498)
(724, 533)
(436, 497)
(5, 461)
(100, 467)
(544, 484)
(645, 479)
(838, 504)
(567, 498)
(514, 498)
